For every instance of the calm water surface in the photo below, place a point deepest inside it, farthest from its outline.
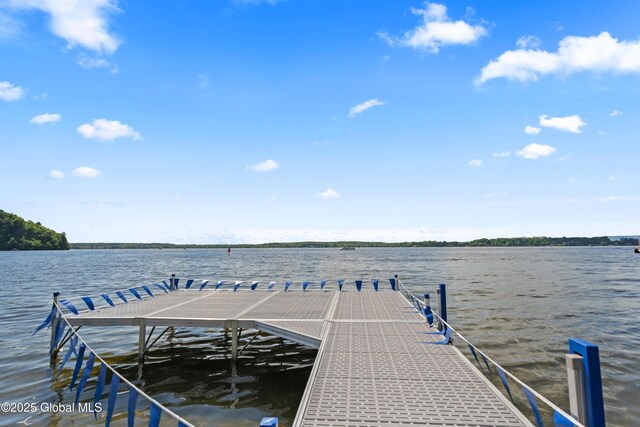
(520, 305)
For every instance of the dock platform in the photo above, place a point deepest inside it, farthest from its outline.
(378, 363)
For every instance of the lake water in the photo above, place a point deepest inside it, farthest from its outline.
(520, 305)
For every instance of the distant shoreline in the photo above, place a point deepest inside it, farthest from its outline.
(498, 242)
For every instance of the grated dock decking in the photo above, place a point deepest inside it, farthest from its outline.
(373, 367)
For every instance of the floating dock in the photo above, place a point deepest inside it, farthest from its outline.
(378, 363)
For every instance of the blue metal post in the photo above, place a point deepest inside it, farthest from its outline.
(442, 304)
(269, 422)
(593, 380)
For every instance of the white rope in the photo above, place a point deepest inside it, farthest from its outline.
(140, 392)
(516, 379)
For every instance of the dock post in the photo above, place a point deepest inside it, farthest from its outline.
(585, 383)
(54, 327)
(397, 282)
(142, 336)
(575, 379)
(172, 282)
(234, 340)
(442, 303)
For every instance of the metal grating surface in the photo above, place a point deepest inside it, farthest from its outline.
(374, 368)
(368, 304)
(382, 374)
(141, 308)
(223, 304)
(293, 305)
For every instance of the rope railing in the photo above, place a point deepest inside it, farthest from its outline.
(567, 417)
(60, 323)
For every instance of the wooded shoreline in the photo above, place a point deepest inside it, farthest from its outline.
(498, 242)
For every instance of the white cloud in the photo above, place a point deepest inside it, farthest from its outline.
(571, 124)
(601, 53)
(107, 130)
(265, 166)
(56, 174)
(475, 163)
(86, 172)
(602, 133)
(89, 63)
(79, 22)
(532, 130)
(364, 106)
(528, 42)
(502, 154)
(329, 193)
(616, 113)
(535, 151)
(10, 92)
(45, 118)
(436, 30)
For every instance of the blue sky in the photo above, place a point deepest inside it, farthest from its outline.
(252, 121)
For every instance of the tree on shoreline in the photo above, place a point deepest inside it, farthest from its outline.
(18, 234)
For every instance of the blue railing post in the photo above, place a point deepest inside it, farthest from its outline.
(592, 392)
(269, 422)
(442, 304)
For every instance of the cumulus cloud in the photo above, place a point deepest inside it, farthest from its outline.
(535, 151)
(502, 154)
(528, 42)
(475, 163)
(86, 172)
(45, 118)
(436, 30)
(364, 106)
(329, 193)
(56, 174)
(573, 124)
(601, 53)
(108, 130)
(616, 113)
(10, 92)
(79, 22)
(265, 166)
(532, 130)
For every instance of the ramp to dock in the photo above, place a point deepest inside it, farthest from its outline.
(378, 362)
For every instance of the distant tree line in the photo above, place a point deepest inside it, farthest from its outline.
(498, 242)
(18, 234)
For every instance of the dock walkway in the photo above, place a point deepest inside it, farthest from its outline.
(378, 362)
